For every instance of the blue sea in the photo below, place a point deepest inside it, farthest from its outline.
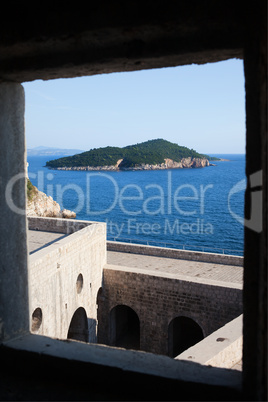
(192, 209)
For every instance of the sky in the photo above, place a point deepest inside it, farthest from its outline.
(200, 107)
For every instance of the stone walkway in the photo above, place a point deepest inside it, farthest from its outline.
(38, 239)
(204, 270)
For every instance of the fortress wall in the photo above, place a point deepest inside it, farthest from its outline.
(159, 299)
(53, 273)
(175, 253)
(57, 225)
(223, 348)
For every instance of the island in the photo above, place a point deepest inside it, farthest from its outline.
(150, 155)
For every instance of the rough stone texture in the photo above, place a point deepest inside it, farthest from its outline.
(107, 374)
(53, 273)
(65, 42)
(198, 270)
(256, 267)
(162, 294)
(157, 299)
(57, 225)
(13, 238)
(40, 239)
(44, 206)
(223, 348)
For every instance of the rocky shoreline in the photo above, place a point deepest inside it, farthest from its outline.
(168, 164)
(39, 204)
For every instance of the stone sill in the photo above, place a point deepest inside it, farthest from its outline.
(128, 361)
(223, 348)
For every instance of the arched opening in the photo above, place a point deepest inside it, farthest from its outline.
(78, 328)
(100, 296)
(79, 283)
(37, 318)
(183, 332)
(124, 327)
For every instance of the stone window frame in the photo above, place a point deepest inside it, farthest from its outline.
(13, 142)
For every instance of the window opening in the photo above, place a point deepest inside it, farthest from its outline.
(37, 318)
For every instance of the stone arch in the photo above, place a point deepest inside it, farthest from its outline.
(78, 328)
(79, 283)
(37, 318)
(183, 332)
(100, 296)
(124, 327)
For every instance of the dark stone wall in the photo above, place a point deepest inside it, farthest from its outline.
(49, 378)
(66, 40)
(255, 277)
(157, 300)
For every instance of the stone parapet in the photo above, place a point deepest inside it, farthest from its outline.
(175, 253)
(158, 298)
(223, 348)
(59, 225)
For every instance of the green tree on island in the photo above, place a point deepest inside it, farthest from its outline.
(150, 152)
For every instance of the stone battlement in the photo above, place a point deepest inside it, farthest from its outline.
(148, 289)
(175, 253)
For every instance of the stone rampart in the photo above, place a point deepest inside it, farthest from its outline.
(66, 276)
(58, 225)
(175, 253)
(158, 298)
(223, 348)
(72, 274)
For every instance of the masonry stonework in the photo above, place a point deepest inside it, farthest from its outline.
(158, 299)
(71, 278)
(13, 260)
(53, 275)
(175, 253)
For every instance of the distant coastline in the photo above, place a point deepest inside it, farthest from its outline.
(47, 151)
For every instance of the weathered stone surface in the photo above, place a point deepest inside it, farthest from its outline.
(44, 206)
(157, 298)
(223, 348)
(13, 236)
(66, 213)
(142, 249)
(63, 42)
(53, 274)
